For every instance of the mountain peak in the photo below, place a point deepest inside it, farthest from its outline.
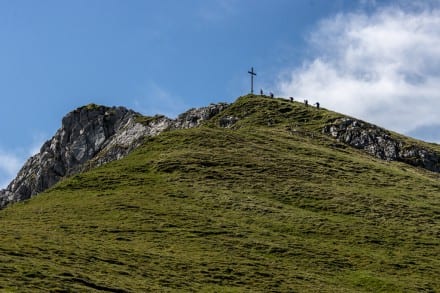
(90, 136)
(299, 197)
(93, 135)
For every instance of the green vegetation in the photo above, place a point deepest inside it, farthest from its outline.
(147, 120)
(270, 205)
(92, 106)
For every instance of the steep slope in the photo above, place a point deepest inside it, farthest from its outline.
(269, 203)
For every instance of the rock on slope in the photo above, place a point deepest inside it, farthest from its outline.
(380, 143)
(91, 136)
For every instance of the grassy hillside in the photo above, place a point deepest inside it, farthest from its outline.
(270, 205)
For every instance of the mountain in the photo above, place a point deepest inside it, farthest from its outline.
(262, 195)
(89, 137)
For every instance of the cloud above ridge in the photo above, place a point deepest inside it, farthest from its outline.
(9, 166)
(383, 67)
(12, 160)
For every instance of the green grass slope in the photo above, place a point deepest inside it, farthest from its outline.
(270, 205)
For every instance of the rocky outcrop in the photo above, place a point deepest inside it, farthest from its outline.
(227, 121)
(129, 137)
(83, 133)
(193, 117)
(91, 136)
(378, 142)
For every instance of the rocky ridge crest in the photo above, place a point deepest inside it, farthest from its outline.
(89, 137)
(94, 135)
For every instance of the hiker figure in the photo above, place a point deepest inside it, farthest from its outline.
(317, 105)
(261, 92)
(271, 94)
(306, 103)
(291, 99)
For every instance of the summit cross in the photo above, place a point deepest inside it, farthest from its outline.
(252, 73)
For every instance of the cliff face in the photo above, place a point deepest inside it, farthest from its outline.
(379, 143)
(91, 136)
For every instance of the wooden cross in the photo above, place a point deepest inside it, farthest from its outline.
(252, 73)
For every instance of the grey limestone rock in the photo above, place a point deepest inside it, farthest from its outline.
(194, 117)
(89, 137)
(227, 121)
(378, 142)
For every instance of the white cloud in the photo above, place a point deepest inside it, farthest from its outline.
(383, 67)
(9, 166)
(12, 161)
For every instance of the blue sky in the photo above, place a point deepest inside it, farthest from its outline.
(377, 60)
